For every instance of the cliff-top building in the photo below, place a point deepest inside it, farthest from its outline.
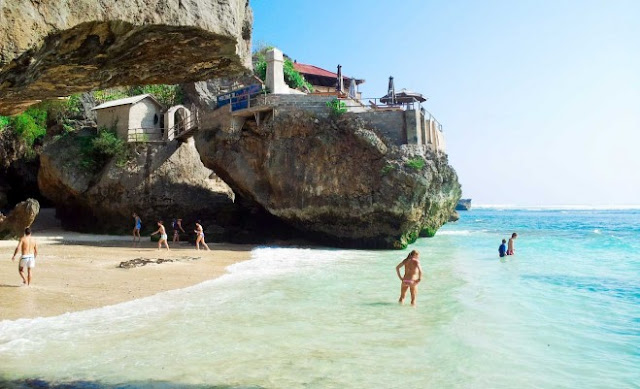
(142, 118)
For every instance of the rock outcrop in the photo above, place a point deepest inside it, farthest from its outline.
(463, 205)
(159, 182)
(21, 217)
(334, 179)
(455, 216)
(59, 47)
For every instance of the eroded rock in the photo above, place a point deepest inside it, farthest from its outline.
(21, 217)
(160, 182)
(334, 179)
(56, 48)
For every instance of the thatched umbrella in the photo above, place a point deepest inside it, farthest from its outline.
(340, 80)
(404, 96)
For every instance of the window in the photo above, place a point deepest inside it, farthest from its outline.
(155, 119)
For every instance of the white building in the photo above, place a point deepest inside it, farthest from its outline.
(134, 118)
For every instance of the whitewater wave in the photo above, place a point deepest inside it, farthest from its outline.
(454, 232)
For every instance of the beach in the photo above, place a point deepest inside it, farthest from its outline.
(80, 271)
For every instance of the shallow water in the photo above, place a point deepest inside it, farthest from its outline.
(563, 313)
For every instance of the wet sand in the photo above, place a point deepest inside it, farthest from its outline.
(80, 271)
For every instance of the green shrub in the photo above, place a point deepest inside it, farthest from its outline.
(102, 96)
(107, 145)
(30, 125)
(416, 163)
(337, 107)
(292, 77)
(387, 168)
(4, 122)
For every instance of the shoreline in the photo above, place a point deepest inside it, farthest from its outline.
(76, 272)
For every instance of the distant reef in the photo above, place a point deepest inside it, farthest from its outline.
(463, 205)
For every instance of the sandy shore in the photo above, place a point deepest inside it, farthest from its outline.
(80, 271)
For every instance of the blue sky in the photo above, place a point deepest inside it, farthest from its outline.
(540, 100)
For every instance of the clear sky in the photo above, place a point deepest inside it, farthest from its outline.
(539, 99)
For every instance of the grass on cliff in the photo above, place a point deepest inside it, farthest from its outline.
(416, 163)
(93, 152)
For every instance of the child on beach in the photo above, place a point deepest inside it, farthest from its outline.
(502, 250)
(136, 228)
(29, 251)
(163, 235)
(412, 276)
(511, 250)
(200, 236)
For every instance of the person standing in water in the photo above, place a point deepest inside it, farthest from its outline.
(136, 228)
(502, 250)
(511, 250)
(163, 235)
(200, 236)
(29, 251)
(177, 227)
(412, 276)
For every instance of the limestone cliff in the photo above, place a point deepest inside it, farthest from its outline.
(59, 47)
(333, 178)
(158, 182)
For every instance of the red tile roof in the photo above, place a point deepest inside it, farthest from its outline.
(316, 71)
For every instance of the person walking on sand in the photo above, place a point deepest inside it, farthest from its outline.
(200, 236)
(163, 235)
(177, 227)
(136, 228)
(511, 250)
(412, 276)
(29, 251)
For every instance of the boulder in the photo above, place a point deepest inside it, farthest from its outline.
(334, 179)
(455, 216)
(60, 47)
(21, 217)
(159, 182)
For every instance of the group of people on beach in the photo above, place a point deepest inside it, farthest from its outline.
(177, 227)
(505, 250)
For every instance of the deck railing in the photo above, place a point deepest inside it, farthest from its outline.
(146, 135)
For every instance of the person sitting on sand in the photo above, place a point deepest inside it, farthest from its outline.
(163, 235)
(200, 236)
(412, 276)
(29, 251)
(502, 250)
(136, 228)
(177, 227)
(511, 250)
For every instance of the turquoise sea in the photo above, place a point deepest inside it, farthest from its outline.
(563, 313)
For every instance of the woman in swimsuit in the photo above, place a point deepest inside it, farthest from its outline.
(412, 276)
(200, 236)
(136, 228)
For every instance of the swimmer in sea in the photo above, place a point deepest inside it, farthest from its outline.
(29, 251)
(511, 250)
(163, 235)
(200, 236)
(412, 276)
(502, 250)
(136, 228)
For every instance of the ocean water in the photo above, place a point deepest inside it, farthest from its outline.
(563, 313)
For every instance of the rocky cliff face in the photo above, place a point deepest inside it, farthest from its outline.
(333, 178)
(159, 183)
(59, 47)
